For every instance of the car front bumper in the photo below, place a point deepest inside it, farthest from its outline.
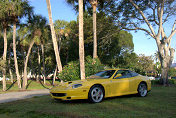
(71, 94)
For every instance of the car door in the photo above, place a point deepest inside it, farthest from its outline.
(120, 85)
(133, 80)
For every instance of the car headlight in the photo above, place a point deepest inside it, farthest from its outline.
(76, 85)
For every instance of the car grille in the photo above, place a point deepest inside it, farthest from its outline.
(59, 94)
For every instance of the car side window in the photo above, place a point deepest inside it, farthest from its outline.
(105, 74)
(133, 74)
(124, 73)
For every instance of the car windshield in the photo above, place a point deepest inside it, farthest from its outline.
(102, 74)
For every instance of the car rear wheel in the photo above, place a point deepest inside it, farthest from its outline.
(96, 94)
(142, 90)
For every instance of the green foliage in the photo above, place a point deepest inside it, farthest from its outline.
(172, 72)
(170, 81)
(93, 66)
(138, 63)
(72, 71)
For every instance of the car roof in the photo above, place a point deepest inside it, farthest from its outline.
(116, 69)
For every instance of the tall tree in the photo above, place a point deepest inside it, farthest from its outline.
(81, 40)
(29, 35)
(86, 5)
(94, 5)
(130, 14)
(4, 19)
(44, 38)
(20, 8)
(55, 45)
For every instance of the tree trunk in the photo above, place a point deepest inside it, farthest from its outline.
(54, 76)
(55, 45)
(39, 69)
(15, 56)
(43, 59)
(94, 32)
(164, 72)
(4, 59)
(166, 61)
(81, 40)
(9, 66)
(11, 75)
(25, 67)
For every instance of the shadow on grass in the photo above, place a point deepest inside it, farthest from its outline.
(51, 82)
(28, 84)
(11, 85)
(71, 101)
(43, 84)
(86, 101)
(40, 81)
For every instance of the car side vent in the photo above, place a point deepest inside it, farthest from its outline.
(69, 82)
(59, 94)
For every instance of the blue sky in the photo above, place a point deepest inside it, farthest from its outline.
(143, 44)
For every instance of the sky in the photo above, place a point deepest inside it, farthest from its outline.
(143, 44)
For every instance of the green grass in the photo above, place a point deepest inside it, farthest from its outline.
(160, 103)
(32, 85)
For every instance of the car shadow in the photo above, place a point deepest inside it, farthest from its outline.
(71, 101)
(88, 102)
(122, 97)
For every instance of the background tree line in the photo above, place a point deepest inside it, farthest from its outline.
(28, 46)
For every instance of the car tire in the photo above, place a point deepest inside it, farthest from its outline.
(96, 94)
(142, 89)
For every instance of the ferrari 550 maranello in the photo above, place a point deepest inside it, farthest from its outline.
(107, 83)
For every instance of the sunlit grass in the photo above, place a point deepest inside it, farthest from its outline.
(160, 103)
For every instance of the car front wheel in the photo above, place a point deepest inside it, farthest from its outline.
(96, 94)
(142, 90)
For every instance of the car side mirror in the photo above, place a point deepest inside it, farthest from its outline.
(118, 75)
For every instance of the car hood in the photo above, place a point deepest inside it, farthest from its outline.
(65, 85)
(85, 82)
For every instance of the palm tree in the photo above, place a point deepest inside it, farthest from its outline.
(94, 5)
(4, 19)
(81, 40)
(44, 38)
(25, 40)
(19, 9)
(41, 24)
(4, 56)
(30, 35)
(55, 45)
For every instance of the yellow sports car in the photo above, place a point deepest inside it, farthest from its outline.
(107, 83)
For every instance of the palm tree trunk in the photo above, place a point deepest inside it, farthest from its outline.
(15, 56)
(9, 66)
(55, 45)
(81, 40)
(4, 59)
(25, 66)
(43, 59)
(39, 69)
(94, 32)
(54, 76)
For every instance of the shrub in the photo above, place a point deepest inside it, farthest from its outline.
(71, 71)
(172, 72)
(157, 82)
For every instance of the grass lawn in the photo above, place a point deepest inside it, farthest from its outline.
(160, 103)
(32, 85)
